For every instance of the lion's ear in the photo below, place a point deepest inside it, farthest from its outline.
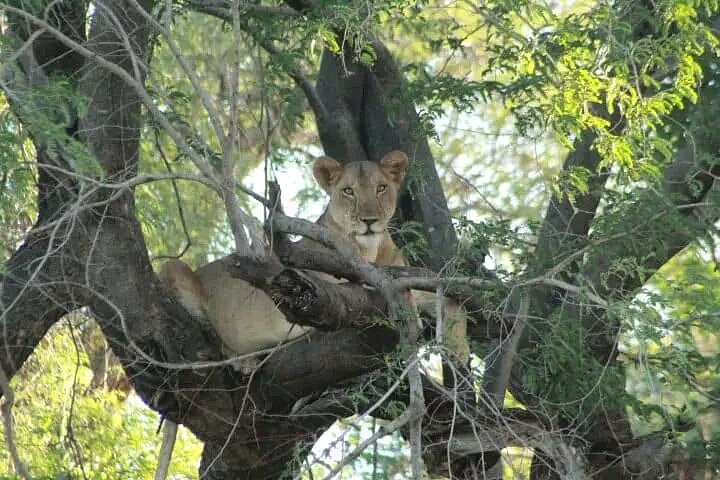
(394, 165)
(327, 171)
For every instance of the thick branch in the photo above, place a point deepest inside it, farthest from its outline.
(223, 9)
(51, 54)
(307, 300)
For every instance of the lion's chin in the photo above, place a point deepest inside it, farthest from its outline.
(369, 241)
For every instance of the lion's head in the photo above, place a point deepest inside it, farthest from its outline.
(362, 195)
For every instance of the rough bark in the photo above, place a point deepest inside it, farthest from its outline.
(310, 301)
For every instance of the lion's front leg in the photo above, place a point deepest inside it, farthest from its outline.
(451, 324)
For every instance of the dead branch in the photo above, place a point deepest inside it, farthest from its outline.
(166, 450)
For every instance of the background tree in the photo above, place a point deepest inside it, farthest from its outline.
(129, 129)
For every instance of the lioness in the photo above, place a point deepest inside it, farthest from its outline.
(362, 202)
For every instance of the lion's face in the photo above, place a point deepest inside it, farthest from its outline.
(362, 195)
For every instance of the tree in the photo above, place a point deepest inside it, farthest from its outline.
(125, 104)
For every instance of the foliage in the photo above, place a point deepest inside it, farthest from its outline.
(17, 183)
(673, 353)
(569, 382)
(65, 429)
(573, 73)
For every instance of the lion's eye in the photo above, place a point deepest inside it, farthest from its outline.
(381, 188)
(348, 191)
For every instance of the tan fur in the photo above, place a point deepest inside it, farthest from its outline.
(186, 287)
(363, 196)
(362, 202)
(454, 324)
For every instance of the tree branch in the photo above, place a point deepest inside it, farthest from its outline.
(311, 301)
(223, 9)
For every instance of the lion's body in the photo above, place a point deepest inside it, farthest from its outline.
(232, 302)
(362, 202)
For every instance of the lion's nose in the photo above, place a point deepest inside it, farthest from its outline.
(369, 222)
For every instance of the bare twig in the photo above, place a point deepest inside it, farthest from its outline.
(238, 219)
(431, 283)
(189, 71)
(77, 449)
(293, 70)
(178, 199)
(417, 404)
(439, 296)
(576, 290)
